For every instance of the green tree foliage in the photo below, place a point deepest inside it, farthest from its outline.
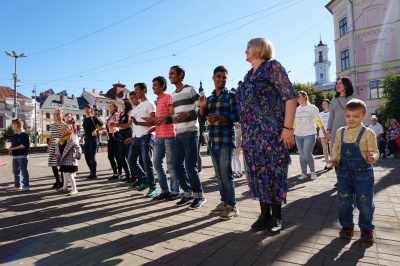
(315, 96)
(390, 108)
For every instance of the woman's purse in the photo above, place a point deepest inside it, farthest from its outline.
(119, 136)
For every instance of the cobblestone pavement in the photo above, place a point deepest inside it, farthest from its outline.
(109, 223)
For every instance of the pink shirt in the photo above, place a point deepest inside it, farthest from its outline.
(166, 130)
(113, 118)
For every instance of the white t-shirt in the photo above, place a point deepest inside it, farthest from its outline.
(142, 110)
(324, 119)
(378, 129)
(305, 120)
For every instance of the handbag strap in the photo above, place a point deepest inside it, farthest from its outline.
(96, 126)
(340, 103)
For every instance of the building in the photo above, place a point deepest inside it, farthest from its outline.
(50, 102)
(367, 36)
(322, 68)
(25, 109)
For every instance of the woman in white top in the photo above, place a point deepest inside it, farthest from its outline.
(305, 132)
(326, 104)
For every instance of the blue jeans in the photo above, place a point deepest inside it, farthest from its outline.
(143, 146)
(222, 161)
(90, 150)
(164, 147)
(20, 167)
(305, 146)
(185, 164)
(123, 151)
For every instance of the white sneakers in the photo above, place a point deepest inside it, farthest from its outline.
(304, 176)
(313, 176)
(329, 165)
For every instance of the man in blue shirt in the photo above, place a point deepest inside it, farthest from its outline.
(221, 111)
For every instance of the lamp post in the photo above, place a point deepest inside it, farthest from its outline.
(35, 128)
(14, 75)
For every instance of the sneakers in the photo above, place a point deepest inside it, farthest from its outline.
(329, 166)
(152, 193)
(113, 177)
(72, 193)
(142, 187)
(313, 176)
(303, 176)
(391, 156)
(25, 189)
(382, 155)
(229, 213)
(197, 203)
(261, 223)
(137, 183)
(56, 185)
(120, 177)
(275, 226)
(172, 197)
(92, 177)
(346, 232)
(367, 235)
(62, 190)
(162, 196)
(220, 208)
(184, 201)
(14, 189)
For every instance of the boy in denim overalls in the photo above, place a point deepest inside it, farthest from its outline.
(354, 152)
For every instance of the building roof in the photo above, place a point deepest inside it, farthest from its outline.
(7, 92)
(54, 101)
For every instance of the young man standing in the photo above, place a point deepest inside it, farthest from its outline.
(164, 143)
(184, 100)
(143, 141)
(221, 111)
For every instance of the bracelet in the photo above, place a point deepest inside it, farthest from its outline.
(288, 128)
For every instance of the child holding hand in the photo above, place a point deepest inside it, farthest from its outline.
(354, 152)
(68, 153)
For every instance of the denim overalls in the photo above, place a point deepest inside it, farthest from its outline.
(355, 179)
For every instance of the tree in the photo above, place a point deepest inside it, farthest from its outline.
(390, 107)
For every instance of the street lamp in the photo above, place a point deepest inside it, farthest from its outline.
(14, 75)
(35, 132)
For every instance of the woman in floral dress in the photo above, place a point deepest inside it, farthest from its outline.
(267, 105)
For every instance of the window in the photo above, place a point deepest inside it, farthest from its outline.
(74, 106)
(47, 115)
(84, 116)
(108, 112)
(345, 60)
(376, 90)
(47, 127)
(321, 76)
(77, 117)
(1, 121)
(343, 27)
(320, 57)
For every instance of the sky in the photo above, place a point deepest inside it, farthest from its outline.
(76, 44)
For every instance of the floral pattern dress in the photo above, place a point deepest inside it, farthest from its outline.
(262, 99)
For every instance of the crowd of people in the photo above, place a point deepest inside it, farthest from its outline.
(262, 120)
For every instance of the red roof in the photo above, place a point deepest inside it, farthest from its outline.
(7, 92)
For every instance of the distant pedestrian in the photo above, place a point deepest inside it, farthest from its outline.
(237, 153)
(378, 129)
(92, 126)
(354, 152)
(392, 136)
(305, 132)
(19, 149)
(324, 115)
(67, 154)
(52, 146)
(112, 142)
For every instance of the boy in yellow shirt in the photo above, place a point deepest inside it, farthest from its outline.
(354, 152)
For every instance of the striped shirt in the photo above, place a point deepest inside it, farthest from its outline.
(185, 100)
(164, 101)
(222, 135)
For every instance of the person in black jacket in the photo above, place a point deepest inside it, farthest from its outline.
(20, 151)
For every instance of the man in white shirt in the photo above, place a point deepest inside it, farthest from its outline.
(143, 141)
(378, 129)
